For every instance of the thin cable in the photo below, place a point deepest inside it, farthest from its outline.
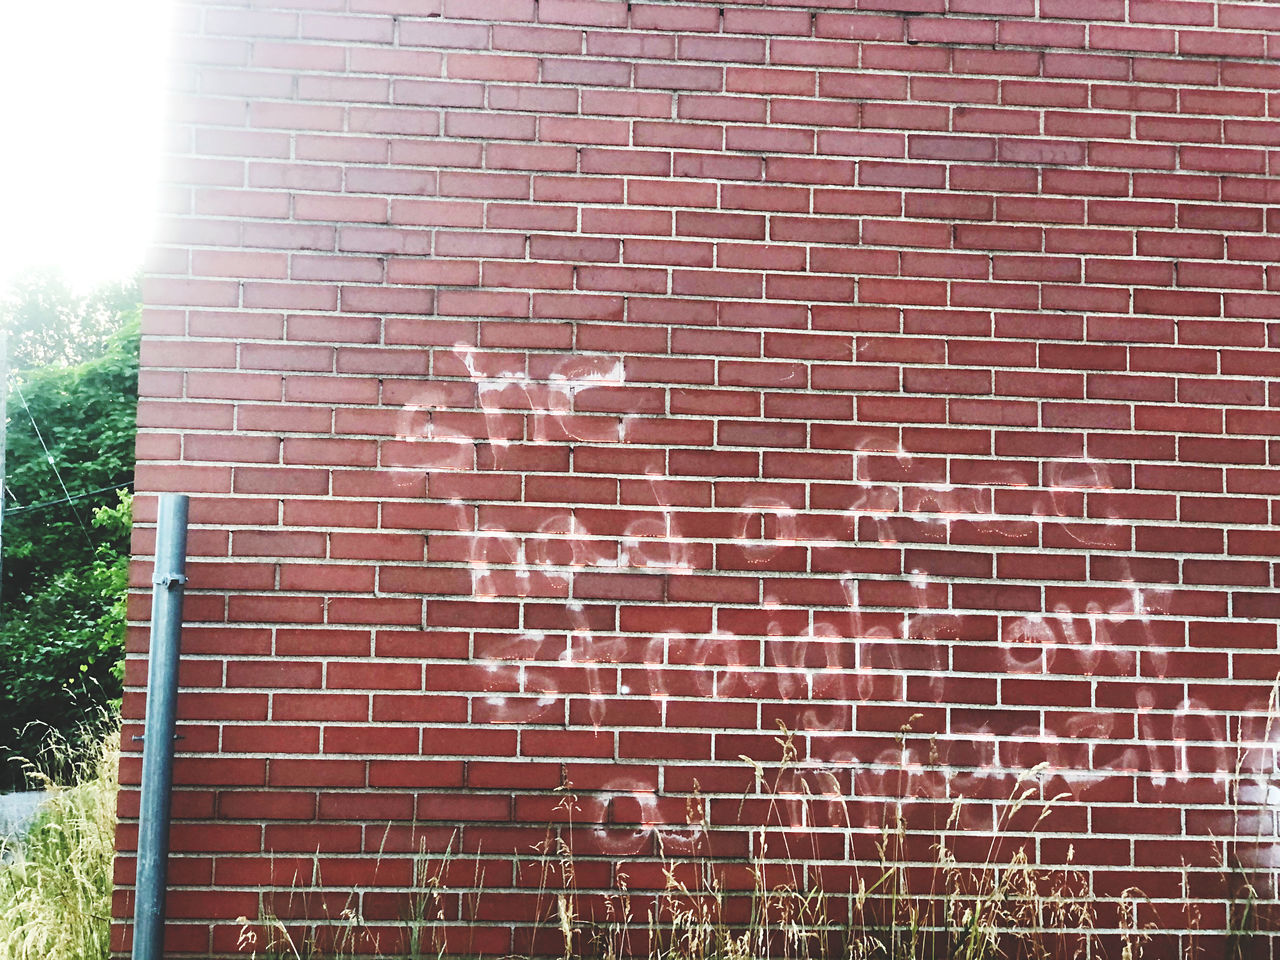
(49, 456)
(54, 503)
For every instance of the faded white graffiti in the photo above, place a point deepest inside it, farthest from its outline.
(852, 650)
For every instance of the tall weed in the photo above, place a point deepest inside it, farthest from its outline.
(900, 906)
(55, 881)
(347, 934)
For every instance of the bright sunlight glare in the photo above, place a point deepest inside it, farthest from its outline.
(84, 85)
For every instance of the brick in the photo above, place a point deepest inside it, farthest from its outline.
(582, 13)
(679, 77)
(571, 390)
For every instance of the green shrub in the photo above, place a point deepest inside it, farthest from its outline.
(69, 453)
(61, 654)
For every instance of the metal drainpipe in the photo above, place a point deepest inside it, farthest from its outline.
(157, 745)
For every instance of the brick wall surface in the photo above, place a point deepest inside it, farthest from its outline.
(573, 391)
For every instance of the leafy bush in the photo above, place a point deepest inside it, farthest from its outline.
(60, 655)
(48, 324)
(69, 446)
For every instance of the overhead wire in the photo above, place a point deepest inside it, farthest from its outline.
(52, 463)
(79, 496)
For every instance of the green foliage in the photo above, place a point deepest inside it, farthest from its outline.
(85, 417)
(49, 324)
(60, 654)
(70, 434)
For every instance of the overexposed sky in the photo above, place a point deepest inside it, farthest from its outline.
(82, 86)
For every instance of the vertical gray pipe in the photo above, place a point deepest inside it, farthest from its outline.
(157, 744)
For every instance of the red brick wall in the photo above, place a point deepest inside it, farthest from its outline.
(570, 392)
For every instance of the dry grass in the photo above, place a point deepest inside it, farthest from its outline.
(900, 907)
(1003, 906)
(55, 882)
(347, 934)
